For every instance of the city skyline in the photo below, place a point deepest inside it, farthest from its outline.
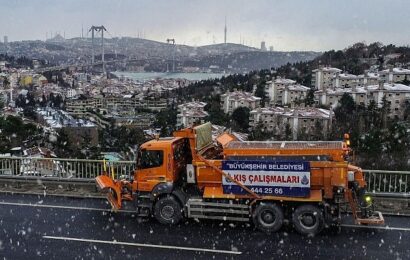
(287, 26)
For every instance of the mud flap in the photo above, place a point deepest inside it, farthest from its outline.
(111, 188)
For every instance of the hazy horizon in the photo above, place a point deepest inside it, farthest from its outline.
(286, 25)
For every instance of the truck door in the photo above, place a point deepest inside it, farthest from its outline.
(151, 169)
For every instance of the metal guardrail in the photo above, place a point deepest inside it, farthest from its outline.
(388, 182)
(379, 182)
(76, 169)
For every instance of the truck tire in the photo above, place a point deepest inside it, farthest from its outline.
(167, 210)
(268, 217)
(308, 219)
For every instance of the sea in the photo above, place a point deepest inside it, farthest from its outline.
(144, 76)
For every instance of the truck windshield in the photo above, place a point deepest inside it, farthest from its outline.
(150, 159)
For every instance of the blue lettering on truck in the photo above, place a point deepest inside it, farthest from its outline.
(275, 178)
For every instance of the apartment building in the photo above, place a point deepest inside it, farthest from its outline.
(344, 80)
(369, 78)
(235, 99)
(191, 113)
(285, 92)
(78, 130)
(306, 123)
(126, 104)
(397, 95)
(393, 75)
(322, 78)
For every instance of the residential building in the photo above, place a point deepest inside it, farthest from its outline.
(306, 123)
(322, 78)
(344, 80)
(125, 104)
(235, 99)
(369, 78)
(391, 74)
(78, 131)
(191, 113)
(286, 92)
(397, 95)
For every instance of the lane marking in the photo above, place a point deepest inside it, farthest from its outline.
(144, 245)
(376, 227)
(61, 207)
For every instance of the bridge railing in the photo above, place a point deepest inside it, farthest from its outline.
(388, 182)
(68, 169)
(379, 182)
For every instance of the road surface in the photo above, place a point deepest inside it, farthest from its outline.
(50, 227)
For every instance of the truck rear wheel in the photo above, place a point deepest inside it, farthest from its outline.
(308, 219)
(167, 210)
(268, 217)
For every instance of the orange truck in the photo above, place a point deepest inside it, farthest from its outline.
(192, 175)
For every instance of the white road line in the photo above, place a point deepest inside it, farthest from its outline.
(59, 207)
(145, 245)
(376, 227)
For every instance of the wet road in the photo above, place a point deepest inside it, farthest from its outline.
(50, 227)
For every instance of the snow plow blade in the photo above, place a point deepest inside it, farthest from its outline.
(376, 219)
(111, 188)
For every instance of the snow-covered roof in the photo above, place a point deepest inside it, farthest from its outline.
(298, 88)
(396, 71)
(284, 81)
(370, 75)
(347, 76)
(241, 95)
(192, 105)
(389, 87)
(193, 113)
(328, 69)
(301, 112)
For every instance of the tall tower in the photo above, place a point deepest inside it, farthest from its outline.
(98, 29)
(225, 30)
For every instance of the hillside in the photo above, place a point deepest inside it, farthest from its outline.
(229, 57)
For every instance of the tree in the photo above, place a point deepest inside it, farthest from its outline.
(385, 111)
(240, 117)
(260, 133)
(166, 120)
(310, 98)
(288, 131)
(216, 115)
(260, 92)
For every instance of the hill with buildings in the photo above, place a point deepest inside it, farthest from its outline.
(152, 55)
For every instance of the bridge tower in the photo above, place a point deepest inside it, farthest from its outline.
(173, 53)
(98, 29)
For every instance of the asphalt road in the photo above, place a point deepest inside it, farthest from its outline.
(51, 227)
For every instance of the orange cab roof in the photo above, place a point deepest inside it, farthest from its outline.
(160, 143)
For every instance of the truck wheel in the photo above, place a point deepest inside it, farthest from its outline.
(308, 219)
(268, 217)
(168, 211)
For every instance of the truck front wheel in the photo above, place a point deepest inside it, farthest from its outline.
(167, 210)
(308, 219)
(268, 217)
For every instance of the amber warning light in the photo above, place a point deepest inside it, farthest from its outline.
(347, 139)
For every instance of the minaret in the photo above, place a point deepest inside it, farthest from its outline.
(225, 30)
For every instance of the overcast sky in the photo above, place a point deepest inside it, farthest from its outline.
(284, 24)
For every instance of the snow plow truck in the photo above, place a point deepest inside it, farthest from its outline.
(192, 175)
